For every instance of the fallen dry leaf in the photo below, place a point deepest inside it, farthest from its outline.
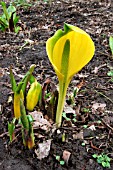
(66, 156)
(92, 127)
(96, 106)
(78, 135)
(43, 150)
(39, 121)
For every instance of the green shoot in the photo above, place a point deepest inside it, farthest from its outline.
(111, 44)
(8, 20)
(11, 128)
(86, 110)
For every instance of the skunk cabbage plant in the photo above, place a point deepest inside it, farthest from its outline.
(68, 51)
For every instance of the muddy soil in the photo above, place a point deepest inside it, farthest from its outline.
(38, 23)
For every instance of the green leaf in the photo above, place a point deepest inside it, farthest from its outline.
(11, 9)
(17, 29)
(75, 92)
(85, 126)
(5, 10)
(86, 110)
(19, 87)
(110, 73)
(74, 119)
(104, 164)
(83, 144)
(57, 157)
(27, 77)
(65, 59)
(24, 118)
(30, 118)
(3, 22)
(23, 83)
(100, 159)
(9, 18)
(15, 19)
(13, 81)
(106, 158)
(31, 79)
(62, 162)
(107, 165)
(95, 155)
(11, 128)
(64, 116)
(111, 44)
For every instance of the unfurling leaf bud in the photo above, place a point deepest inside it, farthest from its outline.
(33, 95)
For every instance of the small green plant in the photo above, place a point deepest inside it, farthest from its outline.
(83, 144)
(9, 20)
(19, 104)
(69, 119)
(71, 96)
(11, 128)
(68, 54)
(58, 158)
(103, 159)
(111, 44)
(86, 110)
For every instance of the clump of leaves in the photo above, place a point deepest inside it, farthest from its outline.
(103, 159)
(20, 112)
(27, 95)
(9, 20)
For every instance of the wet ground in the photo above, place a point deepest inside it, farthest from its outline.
(38, 23)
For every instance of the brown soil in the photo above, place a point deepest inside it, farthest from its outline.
(38, 23)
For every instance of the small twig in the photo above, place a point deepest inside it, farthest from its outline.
(106, 124)
(94, 147)
(3, 134)
(104, 96)
(105, 54)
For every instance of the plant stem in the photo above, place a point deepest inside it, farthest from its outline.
(62, 94)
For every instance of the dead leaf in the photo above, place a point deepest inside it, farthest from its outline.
(66, 156)
(1, 72)
(78, 135)
(39, 121)
(69, 109)
(43, 150)
(92, 127)
(10, 99)
(96, 70)
(96, 106)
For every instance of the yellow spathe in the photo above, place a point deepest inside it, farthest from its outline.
(80, 53)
